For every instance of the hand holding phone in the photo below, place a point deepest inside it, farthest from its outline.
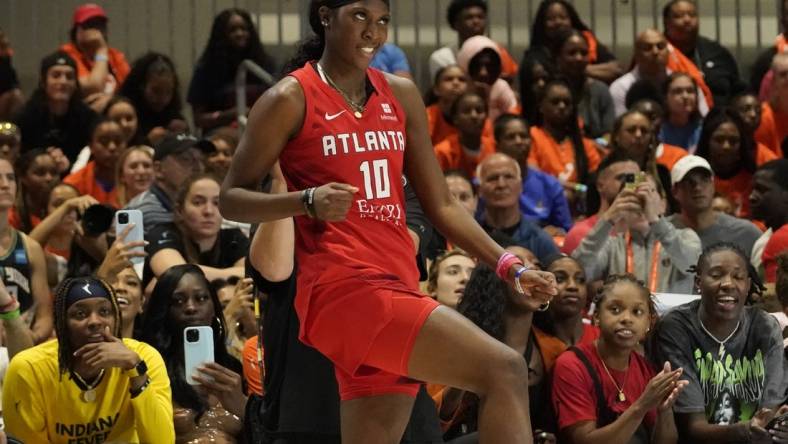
(197, 350)
(135, 234)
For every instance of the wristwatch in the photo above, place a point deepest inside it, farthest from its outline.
(138, 370)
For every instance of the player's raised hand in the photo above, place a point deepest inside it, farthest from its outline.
(332, 201)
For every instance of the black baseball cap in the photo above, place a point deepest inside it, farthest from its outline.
(174, 144)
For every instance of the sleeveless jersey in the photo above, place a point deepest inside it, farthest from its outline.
(372, 244)
(15, 272)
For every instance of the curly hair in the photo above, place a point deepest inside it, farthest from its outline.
(484, 301)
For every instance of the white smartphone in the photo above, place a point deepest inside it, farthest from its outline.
(137, 233)
(197, 349)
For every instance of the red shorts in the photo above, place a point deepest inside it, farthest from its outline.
(368, 330)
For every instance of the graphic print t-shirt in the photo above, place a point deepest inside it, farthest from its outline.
(730, 388)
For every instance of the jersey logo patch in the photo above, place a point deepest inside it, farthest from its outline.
(330, 117)
(386, 108)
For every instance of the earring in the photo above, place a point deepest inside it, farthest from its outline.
(324, 23)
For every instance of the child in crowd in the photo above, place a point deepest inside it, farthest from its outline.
(605, 390)
(683, 121)
(466, 149)
(37, 174)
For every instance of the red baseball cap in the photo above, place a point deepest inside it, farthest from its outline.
(88, 11)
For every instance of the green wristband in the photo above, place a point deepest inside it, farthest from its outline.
(11, 315)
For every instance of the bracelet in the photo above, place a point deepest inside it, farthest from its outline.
(308, 200)
(11, 315)
(100, 58)
(505, 262)
(517, 274)
(135, 393)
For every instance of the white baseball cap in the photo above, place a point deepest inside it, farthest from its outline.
(687, 164)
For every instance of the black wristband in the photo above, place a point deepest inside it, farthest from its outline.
(308, 200)
(135, 393)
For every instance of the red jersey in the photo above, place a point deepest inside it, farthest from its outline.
(372, 244)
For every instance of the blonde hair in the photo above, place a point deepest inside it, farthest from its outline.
(432, 276)
(122, 198)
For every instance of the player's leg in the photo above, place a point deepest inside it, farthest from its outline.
(449, 349)
(375, 419)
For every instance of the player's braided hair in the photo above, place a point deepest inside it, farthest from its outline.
(65, 350)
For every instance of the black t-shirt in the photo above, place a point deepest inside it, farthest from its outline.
(231, 245)
(40, 129)
(720, 70)
(216, 92)
(302, 397)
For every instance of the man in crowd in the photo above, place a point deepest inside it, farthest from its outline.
(719, 68)
(645, 244)
(693, 187)
(468, 18)
(774, 113)
(769, 203)
(500, 186)
(609, 178)
(176, 157)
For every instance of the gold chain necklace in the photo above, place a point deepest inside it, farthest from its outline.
(358, 108)
(621, 396)
(89, 393)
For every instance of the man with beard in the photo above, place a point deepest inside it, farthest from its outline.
(693, 187)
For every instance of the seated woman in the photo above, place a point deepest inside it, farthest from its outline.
(733, 156)
(557, 144)
(196, 236)
(721, 331)
(214, 409)
(469, 146)
(97, 179)
(492, 305)
(225, 140)
(534, 75)
(88, 384)
(554, 16)
(134, 173)
(594, 102)
(683, 121)
(22, 265)
(233, 38)
(37, 174)
(153, 89)
(665, 154)
(55, 115)
(605, 391)
(101, 69)
(479, 56)
(448, 275)
(562, 326)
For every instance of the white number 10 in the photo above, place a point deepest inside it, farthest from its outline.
(380, 171)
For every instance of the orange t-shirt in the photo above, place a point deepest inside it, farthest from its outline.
(738, 189)
(508, 64)
(118, 66)
(763, 154)
(251, 367)
(15, 220)
(440, 128)
(558, 159)
(772, 130)
(85, 182)
(550, 346)
(678, 62)
(668, 155)
(451, 155)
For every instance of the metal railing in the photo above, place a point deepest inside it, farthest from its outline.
(246, 67)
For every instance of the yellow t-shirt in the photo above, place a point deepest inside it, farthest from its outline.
(41, 406)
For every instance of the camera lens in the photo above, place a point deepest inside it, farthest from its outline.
(123, 218)
(192, 335)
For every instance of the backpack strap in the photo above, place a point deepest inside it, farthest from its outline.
(605, 415)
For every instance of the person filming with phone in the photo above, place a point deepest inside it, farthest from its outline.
(87, 385)
(208, 400)
(645, 244)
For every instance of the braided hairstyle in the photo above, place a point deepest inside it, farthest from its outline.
(615, 279)
(65, 349)
(756, 285)
(484, 301)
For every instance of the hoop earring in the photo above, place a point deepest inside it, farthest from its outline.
(324, 23)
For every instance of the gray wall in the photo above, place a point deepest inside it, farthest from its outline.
(180, 28)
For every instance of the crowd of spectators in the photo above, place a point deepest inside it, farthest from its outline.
(639, 190)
